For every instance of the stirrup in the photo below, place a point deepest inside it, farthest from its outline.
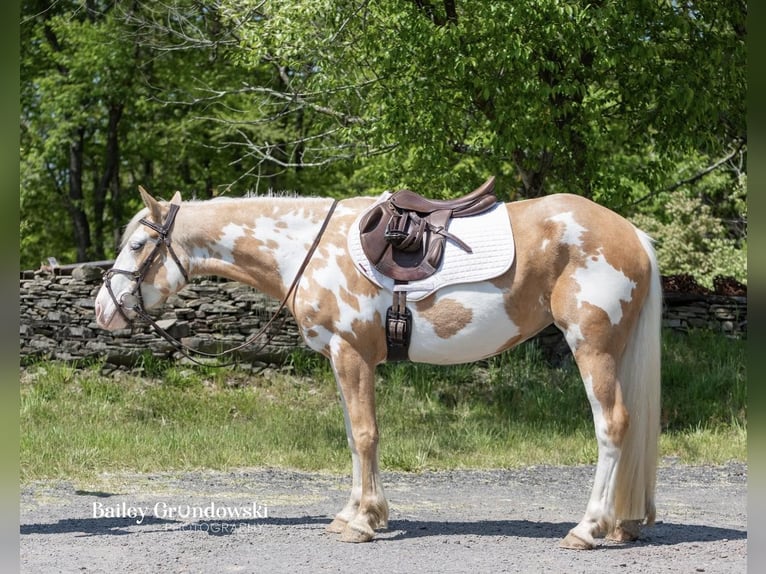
(398, 328)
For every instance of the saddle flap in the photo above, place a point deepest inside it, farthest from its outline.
(403, 245)
(372, 232)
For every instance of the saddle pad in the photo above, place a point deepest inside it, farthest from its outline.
(489, 235)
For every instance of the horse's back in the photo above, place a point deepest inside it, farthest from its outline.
(563, 231)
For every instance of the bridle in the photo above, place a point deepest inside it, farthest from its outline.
(133, 300)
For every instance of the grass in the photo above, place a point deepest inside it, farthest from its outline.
(513, 410)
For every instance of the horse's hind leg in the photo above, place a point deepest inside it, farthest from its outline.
(611, 419)
(367, 508)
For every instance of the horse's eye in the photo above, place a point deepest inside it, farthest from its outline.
(136, 245)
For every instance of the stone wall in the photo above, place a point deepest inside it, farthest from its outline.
(57, 321)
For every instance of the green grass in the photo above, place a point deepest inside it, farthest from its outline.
(512, 410)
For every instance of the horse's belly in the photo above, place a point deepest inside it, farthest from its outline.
(461, 324)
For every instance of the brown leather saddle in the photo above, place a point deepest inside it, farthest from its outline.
(404, 238)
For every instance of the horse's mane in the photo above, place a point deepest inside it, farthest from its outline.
(250, 195)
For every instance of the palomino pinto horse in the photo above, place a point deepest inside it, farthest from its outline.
(578, 265)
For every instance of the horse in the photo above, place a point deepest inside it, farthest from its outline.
(577, 265)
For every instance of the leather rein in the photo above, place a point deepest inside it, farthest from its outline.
(133, 300)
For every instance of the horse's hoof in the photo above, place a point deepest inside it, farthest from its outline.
(351, 534)
(574, 542)
(337, 526)
(625, 531)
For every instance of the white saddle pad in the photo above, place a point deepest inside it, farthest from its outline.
(489, 235)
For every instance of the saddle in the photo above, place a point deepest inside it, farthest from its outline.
(404, 237)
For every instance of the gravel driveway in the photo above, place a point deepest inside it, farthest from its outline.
(457, 521)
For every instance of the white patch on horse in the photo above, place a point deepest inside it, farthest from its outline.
(473, 342)
(572, 229)
(126, 260)
(320, 340)
(331, 277)
(292, 233)
(173, 274)
(603, 286)
(545, 243)
(573, 336)
(224, 247)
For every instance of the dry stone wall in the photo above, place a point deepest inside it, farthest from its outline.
(57, 321)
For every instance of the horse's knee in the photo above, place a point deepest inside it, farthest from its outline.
(365, 439)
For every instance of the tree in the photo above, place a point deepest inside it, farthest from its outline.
(560, 95)
(605, 99)
(95, 121)
(80, 66)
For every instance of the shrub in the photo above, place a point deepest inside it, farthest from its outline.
(691, 238)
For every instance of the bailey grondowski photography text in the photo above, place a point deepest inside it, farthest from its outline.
(212, 516)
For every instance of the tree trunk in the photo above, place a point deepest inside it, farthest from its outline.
(75, 203)
(532, 172)
(109, 180)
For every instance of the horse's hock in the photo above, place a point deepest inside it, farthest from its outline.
(57, 320)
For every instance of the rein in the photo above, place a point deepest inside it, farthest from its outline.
(133, 301)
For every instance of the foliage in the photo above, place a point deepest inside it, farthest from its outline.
(345, 97)
(537, 90)
(700, 229)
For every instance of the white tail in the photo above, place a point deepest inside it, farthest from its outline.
(639, 375)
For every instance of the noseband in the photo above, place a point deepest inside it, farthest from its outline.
(134, 301)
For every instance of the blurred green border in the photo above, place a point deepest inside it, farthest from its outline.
(9, 210)
(9, 260)
(756, 286)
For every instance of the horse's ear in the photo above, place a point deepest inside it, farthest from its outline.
(151, 203)
(176, 198)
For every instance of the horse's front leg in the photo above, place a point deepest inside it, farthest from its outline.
(367, 508)
(349, 511)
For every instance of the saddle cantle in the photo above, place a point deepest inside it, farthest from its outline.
(404, 238)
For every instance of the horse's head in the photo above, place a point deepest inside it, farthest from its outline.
(148, 269)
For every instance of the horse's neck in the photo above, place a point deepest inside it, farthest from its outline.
(258, 241)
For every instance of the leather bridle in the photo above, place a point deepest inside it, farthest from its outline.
(133, 300)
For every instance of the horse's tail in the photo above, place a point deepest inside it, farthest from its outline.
(639, 375)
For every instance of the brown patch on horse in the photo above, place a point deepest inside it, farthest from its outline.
(322, 310)
(447, 316)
